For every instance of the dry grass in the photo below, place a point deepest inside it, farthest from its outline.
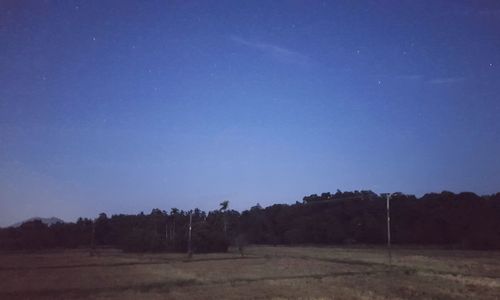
(264, 273)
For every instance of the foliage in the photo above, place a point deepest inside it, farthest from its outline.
(462, 220)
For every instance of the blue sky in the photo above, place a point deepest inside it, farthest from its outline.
(121, 107)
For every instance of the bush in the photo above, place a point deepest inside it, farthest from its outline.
(141, 240)
(206, 240)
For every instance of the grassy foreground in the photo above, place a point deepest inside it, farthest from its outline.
(265, 272)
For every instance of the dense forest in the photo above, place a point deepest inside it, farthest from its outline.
(462, 220)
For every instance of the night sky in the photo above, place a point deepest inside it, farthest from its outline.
(124, 106)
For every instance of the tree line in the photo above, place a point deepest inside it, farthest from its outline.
(463, 220)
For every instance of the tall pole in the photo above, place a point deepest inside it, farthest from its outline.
(225, 224)
(189, 235)
(166, 231)
(389, 227)
(173, 232)
(92, 239)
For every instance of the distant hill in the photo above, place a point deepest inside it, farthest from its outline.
(48, 221)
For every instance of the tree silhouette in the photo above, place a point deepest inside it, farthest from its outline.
(463, 220)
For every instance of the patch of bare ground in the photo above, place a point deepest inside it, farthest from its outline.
(264, 273)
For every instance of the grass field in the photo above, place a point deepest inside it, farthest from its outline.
(265, 272)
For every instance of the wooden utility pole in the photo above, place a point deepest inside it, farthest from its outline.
(225, 224)
(173, 231)
(92, 240)
(223, 209)
(389, 227)
(166, 231)
(190, 252)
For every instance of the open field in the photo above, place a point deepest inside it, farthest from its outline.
(265, 272)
